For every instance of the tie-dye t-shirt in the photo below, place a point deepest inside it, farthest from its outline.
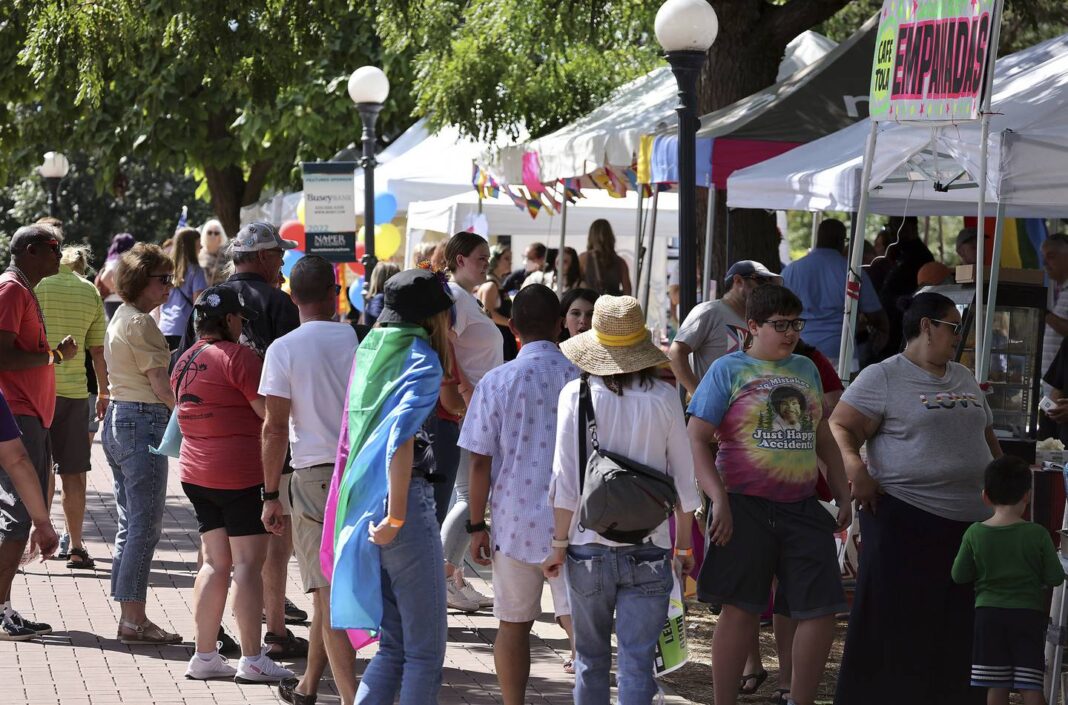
(766, 413)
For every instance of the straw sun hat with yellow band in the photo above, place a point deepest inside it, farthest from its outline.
(619, 342)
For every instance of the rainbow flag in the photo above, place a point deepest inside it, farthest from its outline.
(1021, 245)
(393, 389)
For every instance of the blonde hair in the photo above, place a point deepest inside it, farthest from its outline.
(423, 251)
(379, 277)
(184, 254)
(204, 232)
(77, 257)
(438, 327)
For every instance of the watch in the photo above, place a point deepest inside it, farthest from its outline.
(474, 528)
(265, 495)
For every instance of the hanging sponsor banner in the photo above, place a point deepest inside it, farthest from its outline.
(330, 209)
(931, 58)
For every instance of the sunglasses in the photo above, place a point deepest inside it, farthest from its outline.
(760, 281)
(164, 279)
(51, 244)
(784, 324)
(954, 328)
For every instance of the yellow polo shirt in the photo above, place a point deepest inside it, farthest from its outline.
(72, 306)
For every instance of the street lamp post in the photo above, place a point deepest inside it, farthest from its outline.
(53, 170)
(368, 88)
(686, 29)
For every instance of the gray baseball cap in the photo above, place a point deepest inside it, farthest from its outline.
(260, 236)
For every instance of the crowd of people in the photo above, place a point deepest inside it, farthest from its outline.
(471, 417)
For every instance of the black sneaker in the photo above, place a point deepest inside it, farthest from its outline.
(226, 644)
(38, 628)
(9, 631)
(294, 614)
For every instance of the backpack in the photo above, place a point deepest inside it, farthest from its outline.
(622, 500)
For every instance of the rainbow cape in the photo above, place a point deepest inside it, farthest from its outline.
(393, 389)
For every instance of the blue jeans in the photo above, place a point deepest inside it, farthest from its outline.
(635, 583)
(411, 651)
(140, 492)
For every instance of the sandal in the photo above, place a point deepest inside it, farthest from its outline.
(781, 697)
(146, 633)
(84, 561)
(292, 646)
(569, 666)
(287, 689)
(760, 676)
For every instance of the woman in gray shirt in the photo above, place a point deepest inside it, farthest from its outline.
(929, 435)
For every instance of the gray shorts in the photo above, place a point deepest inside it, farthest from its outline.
(15, 521)
(308, 490)
(70, 440)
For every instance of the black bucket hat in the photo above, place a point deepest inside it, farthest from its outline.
(413, 296)
(217, 301)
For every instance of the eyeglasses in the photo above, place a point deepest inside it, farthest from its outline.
(784, 324)
(164, 279)
(954, 328)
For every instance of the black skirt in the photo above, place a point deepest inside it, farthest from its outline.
(910, 630)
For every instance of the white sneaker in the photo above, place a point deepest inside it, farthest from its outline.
(468, 590)
(215, 667)
(260, 669)
(457, 600)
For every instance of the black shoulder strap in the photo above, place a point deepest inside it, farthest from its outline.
(181, 375)
(586, 420)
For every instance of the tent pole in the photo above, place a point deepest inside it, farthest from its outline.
(983, 356)
(648, 258)
(710, 230)
(637, 274)
(560, 250)
(856, 259)
(817, 218)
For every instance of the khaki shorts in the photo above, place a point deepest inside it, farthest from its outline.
(308, 489)
(517, 590)
(284, 497)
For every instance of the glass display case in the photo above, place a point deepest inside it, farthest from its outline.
(1015, 353)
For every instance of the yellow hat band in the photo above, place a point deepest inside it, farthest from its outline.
(620, 341)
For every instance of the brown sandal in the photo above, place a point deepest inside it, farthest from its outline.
(146, 633)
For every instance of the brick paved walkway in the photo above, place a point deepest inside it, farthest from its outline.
(82, 663)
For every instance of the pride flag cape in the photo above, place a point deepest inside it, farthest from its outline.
(393, 389)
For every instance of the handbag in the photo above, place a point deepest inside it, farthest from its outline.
(621, 499)
(171, 443)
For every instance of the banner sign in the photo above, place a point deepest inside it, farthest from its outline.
(330, 209)
(931, 58)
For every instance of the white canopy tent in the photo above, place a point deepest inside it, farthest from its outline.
(449, 215)
(1028, 156)
(610, 135)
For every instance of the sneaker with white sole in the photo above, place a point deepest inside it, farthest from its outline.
(9, 631)
(457, 600)
(38, 628)
(468, 590)
(260, 669)
(217, 666)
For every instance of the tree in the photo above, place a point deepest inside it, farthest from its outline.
(236, 93)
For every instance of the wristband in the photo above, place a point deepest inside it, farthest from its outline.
(51, 357)
(560, 543)
(267, 496)
(394, 522)
(105, 397)
(59, 355)
(683, 551)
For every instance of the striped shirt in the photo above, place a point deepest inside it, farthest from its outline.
(72, 306)
(512, 419)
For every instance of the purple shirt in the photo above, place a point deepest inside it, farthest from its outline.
(9, 430)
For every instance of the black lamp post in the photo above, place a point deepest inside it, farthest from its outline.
(368, 88)
(686, 29)
(53, 170)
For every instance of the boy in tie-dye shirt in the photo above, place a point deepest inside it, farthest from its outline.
(763, 408)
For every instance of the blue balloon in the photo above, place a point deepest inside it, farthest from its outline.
(356, 294)
(289, 258)
(385, 207)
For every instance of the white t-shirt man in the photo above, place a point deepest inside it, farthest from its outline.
(478, 343)
(310, 366)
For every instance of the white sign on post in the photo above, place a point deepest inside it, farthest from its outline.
(330, 209)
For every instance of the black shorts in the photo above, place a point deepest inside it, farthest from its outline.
(237, 511)
(791, 541)
(1008, 648)
(70, 436)
(15, 521)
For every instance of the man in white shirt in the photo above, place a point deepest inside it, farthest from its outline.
(305, 379)
(510, 432)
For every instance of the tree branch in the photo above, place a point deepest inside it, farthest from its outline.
(784, 22)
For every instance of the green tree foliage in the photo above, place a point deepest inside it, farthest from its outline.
(143, 202)
(235, 92)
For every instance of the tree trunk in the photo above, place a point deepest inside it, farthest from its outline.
(227, 185)
(753, 35)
